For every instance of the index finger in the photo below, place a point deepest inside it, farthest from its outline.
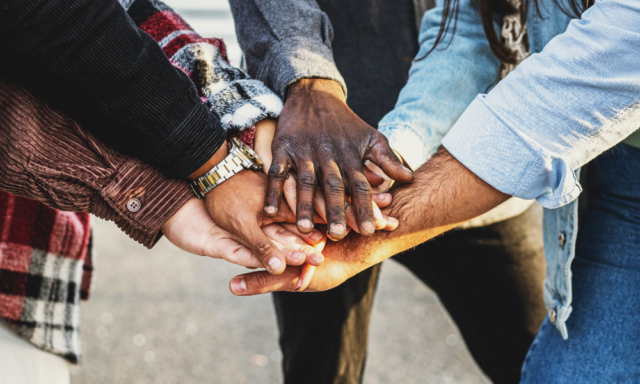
(275, 183)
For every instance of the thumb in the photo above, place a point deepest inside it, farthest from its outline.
(383, 156)
(256, 283)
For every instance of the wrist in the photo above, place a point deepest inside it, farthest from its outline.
(265, 130)
(305, 86)
(217, 157)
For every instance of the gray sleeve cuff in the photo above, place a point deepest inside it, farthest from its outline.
(297, 58)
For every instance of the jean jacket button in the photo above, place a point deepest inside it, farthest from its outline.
(552, 316)
(562, 238)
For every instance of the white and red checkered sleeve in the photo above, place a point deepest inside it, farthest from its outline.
(236, 99)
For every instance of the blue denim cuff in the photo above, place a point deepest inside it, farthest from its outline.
(408, 143)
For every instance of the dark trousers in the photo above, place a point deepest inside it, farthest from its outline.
(489, 279)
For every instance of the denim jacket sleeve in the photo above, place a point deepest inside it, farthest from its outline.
(558, 110)
(441, 85)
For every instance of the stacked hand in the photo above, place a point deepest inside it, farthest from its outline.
(243, 219)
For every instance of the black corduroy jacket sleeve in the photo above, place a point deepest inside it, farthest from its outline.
(88, 59)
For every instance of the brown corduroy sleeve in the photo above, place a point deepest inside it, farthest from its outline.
(46, 156)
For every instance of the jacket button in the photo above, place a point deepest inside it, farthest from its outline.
(134, 205)
(552, 316)
(562, 238)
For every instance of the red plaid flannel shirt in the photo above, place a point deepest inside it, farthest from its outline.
(45, 254)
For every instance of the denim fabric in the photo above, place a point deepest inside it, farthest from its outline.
(605, 324)
(573, 98)
(560, 108)
(440, 87)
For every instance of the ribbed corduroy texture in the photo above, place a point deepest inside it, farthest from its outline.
(46, 156)
(88, 59)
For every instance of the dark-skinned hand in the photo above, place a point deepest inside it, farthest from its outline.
(237, 206)
(325, 143)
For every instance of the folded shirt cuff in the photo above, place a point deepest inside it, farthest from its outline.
(298, 58)
(509, 160)
(408, 143)
(243, 103)
(156, 197)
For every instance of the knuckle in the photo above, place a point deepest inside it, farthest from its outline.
(307, 180)
(261, 281)
(361, 187)
(264, 248)
(273, 194)
(305, 208)
(282, 142)
(365, 211)
(277, 171)
(334, 184)
(325, 145)
(280, 232)
(337, 213)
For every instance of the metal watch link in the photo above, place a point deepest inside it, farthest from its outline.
(240, 158)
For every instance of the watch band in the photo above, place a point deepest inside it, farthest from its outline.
(238, 159)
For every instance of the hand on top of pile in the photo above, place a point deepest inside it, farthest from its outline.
(265, 131)
(324, 143)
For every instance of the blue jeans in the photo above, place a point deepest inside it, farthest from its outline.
(604, 327)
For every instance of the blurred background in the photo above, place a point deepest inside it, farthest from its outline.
(164, 316)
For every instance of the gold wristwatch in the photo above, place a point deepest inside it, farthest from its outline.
(240, 158)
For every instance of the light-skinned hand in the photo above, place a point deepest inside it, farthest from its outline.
(193, 230)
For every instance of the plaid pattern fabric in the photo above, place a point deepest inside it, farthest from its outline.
(237, 100)
(46, 261)
(45, 268)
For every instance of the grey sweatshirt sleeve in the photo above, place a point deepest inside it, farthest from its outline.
(285, 40)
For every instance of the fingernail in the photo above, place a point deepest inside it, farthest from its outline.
(383, 196)
(238, 285)
(315, 236)
(337, 229)
(392, 219)
(368, 226)
(407, 169)
(305, 223)
(299, 284)
(270, 209)
(377, 214)
(275, 263)
(316, 258)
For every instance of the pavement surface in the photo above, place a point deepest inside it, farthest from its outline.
(164, 316)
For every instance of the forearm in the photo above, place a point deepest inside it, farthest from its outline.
(88, 59)
(558, 110)
(46, 156)
(443, 195)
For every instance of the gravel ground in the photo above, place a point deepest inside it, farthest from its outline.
(164, 316)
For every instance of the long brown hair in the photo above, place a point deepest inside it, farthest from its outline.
(488, 10)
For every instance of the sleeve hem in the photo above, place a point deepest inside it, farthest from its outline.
(408, 142)
(190, 145)
(296, 58)
(508, 160)
(159, 198)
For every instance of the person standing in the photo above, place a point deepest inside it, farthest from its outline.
(314, 53)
